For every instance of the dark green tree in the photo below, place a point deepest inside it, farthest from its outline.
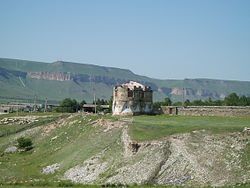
(198, 103)
(68, 105)
(178, 103)
(167, 102)
(243, 101)
(218, 103)
(157, 105)
(232, 100)
(187, 103)
(24, 143)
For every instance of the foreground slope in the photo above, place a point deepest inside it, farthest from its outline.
(21, 79)
(160, 150)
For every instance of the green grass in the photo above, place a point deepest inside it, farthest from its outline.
(156, 127)
(6, 130)
(76, 141)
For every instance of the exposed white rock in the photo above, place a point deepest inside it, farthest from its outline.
(88, 172)
(51, 169)
(11, 149)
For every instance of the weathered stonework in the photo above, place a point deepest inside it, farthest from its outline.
(132, 98)
(207, 110)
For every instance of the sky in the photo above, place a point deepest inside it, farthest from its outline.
(165, 39)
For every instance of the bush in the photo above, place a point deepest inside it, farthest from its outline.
(24, 143)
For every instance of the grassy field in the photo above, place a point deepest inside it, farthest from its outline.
(75, 140)
(156, 127)
(42, 119)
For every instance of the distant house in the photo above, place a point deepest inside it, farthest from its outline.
(92, 107)
(132, 98)
(4, 109)
(13, 107)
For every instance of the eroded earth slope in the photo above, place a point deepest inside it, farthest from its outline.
(99, 150)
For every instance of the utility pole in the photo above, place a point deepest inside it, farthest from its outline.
(95, 100)
(34, 107)
(183, 96)
(93, 90)
(94, 96)
(45, 105)
(17, 109)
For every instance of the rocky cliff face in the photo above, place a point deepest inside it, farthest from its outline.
(62, 76)
(17, 73)
(58, 76)
(190, 159)
(191, 92)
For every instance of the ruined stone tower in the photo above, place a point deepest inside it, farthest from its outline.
(132, 98)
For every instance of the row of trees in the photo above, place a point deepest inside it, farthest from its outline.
(231, 100)
(71, 105)
(167, 102)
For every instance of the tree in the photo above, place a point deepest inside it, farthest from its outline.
(210, 102)
(157, 105)
(167, 102)
(178, 103)
(243, 101)
(24, 143)
(187, 103)
(68, 105)
(232, 100)
(198, 103)
(218, 103)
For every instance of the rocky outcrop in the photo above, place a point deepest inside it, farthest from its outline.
(58, 76)
(89, 171)
(194, 92)
(51, 169)
(63, 76)
(16, 71)
(11, 149)
(192, 159)
(177, 91)
(200, 157)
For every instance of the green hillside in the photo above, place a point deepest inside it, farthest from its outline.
(23, 80)
(90, 149)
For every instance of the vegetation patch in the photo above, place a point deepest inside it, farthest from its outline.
(16, 127)
(75, 139)
(156, 127)
(24, 143)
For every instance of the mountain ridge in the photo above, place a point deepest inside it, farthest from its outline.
(61, 79)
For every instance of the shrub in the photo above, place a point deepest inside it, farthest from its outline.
(24, 143)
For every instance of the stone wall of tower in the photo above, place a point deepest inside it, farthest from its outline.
(127, 101)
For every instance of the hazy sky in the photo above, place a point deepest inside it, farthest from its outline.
(168, 39)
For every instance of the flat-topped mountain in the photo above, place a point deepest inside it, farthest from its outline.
(21, 79)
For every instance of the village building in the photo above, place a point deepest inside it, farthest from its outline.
(132, 98)
(93, 108)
